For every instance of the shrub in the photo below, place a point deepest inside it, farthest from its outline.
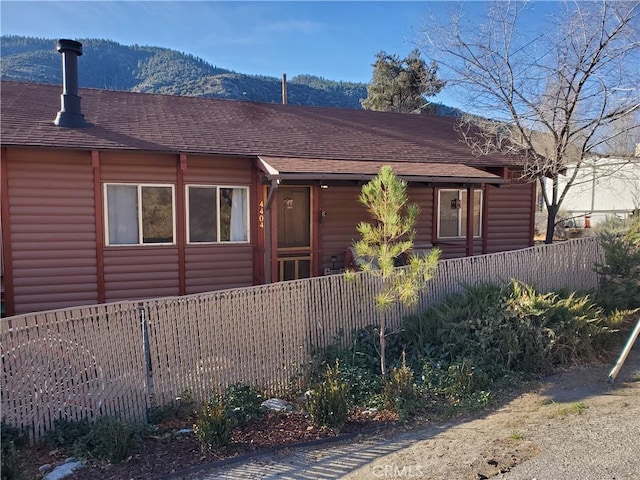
(456, 383)
(400, 393)
(327, 403)
(108, 438)
(620, 273)
(496, 331)
(182, 408)
(243, 403)
(364, 385)
(112, 440)
(11, 439)
(213, 425)
(70, 435)
(359, 363)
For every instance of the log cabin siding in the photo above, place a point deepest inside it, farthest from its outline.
(214, 267)
(338, 229)
(53, 237)
(140, 272)
(223, 171)
(454, 248)
(217, 267)
(138, 167)
(510, 213)
(344, 212)
(423, 196)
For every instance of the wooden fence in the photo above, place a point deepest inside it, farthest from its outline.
(113, 359)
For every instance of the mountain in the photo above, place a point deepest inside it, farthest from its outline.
(109, 65)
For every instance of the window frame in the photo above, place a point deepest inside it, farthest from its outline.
(139, 187)
(463, 205)
(247, 214)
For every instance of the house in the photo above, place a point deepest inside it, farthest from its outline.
(604, 188)
(121, 195)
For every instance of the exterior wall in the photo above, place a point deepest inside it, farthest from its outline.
(423, 196)
(344, 212)
(338, 229)
(510, 213)
(53, 236)
(215, 267)
(137, 272)
(54, 229)
(605, 188)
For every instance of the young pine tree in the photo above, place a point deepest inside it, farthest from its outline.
(388, 238)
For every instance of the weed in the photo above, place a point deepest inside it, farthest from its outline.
(243, 403)
(565, 410)
(213, 425)
(401, 394)
(327, 403)
(516, 436)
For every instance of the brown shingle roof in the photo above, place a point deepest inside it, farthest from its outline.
(327, 169)
(125, 120)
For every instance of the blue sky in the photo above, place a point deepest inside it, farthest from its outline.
(335, 40)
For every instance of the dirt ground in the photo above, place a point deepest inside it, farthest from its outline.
(562, 409)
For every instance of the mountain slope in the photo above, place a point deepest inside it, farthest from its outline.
(110, 65)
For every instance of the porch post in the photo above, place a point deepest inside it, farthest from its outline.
(469, 220)
(271, 235)
(99, 223)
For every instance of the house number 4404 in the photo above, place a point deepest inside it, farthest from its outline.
(261, 214)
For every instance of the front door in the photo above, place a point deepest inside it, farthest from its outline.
(294, 233)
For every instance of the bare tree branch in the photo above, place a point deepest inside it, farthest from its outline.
(555, 98)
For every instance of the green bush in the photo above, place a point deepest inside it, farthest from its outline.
(112, 440)
(328, 403)
(619, 287)
(71, 436)
(458, 383)
(182, 408)
(108, 438)
(213, 425)
(364, 384)
(501, 331)
(11, 440)
(243, 403)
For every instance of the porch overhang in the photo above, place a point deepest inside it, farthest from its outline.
(282, 169)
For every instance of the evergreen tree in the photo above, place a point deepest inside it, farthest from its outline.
(401, 85)
(389, 239)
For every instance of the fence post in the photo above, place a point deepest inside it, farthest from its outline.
(145, 346)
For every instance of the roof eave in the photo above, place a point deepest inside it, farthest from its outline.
(311, 176)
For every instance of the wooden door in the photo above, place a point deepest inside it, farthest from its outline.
(294, 233)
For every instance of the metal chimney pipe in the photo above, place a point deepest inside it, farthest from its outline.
(70, 114)
(284, 88)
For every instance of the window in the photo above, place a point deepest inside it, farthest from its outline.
(217, 214)
(452, 213)
(139, 214)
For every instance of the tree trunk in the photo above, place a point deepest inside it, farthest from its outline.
(552, 213)
(383, 345)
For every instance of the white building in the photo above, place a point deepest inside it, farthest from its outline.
(603, 188)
